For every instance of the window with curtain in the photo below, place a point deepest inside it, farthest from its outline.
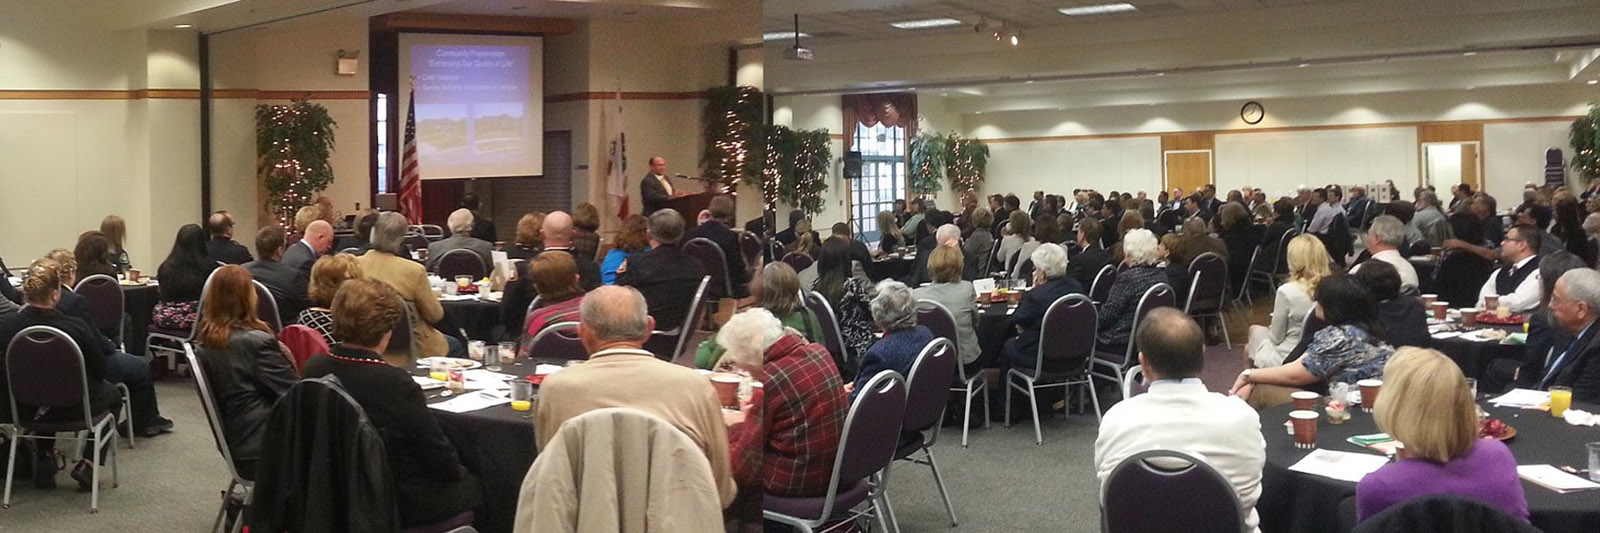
(383, 143)
(880, 127)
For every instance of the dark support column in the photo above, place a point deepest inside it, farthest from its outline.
(205, 126)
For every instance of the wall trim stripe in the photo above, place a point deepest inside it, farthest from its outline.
(1050, 138)
(612, 95)
(176, 94)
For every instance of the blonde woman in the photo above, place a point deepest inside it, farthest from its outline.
(327, 275)
(1308, 264)
(891, 238)
(1427, 405)
(116, 231)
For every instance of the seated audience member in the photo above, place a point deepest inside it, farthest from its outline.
(528, 242)
(1139, 274)
(287, 285)
(460, 238)
(1574, 305)
(787, 442)
(116, 231)
(1383, 239)
(777, 290)
(1484, 206)
(633, 239)
(388, 262)
(978, 245)
(316, 242)
(1308, 265)
(357, 239)
(1348, 350)
(327, 275)
(1282, 221)
(221, 247)
(1045, 231)
(1091, 256)
(1430, 220)
(243, 363)
(858, 250)
(93, 255)
(555, 276)
(788, 236)
(1194, 241)
(1427, 405)
(1544, 334)
(430, 484)
(850, 299)
(894, 311)
(620, 373)
(959, 298)
(585, 222)
(1050, 284)
(556, 232)
(717, 231)
(805, 241)
(1569, 228)
(183, 275)
(1239, 236)
(1406, 212)
(1179, 411)
(1539, 216)
(890, 238)
(1019, 233)
(1517, 281)
(1404, 321)
(482, 227)
(667, 277)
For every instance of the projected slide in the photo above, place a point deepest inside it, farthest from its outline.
(479, 110)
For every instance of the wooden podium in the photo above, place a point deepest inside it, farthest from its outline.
(690, 206)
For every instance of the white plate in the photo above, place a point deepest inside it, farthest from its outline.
(450, 362)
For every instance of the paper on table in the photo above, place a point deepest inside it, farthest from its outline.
(1343, 466)
(427, 383)
(1553, 478)
(479, 374)
(1447, 335)
(457, 297)
(503, 264)
(1524, 398)
(983, 285)
(472, 402)
(546, 369)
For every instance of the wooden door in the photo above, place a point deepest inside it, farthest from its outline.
(1187, 169)
(1469, 166)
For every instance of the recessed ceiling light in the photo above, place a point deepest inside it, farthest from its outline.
(183, 26)
(925, 23)
(1029, 81)
(1304, 65)
(1470, 87)
(1469, 54)
(1103, 9)
(1592, 82)
(782, 35)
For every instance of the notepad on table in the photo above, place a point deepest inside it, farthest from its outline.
(1522, 398)
(1343, 466)
(1553, 478)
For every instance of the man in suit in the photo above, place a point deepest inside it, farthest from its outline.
(717, 231)
(482, 226)
(1037, 205)
(1178, 410)
(665, 275)
(358, 239)
(460, 238)
(317, 240)
(221, 247)
(654, 188)
(1574, 304)
(1357, 207)
(1091, 256)
(287, 285)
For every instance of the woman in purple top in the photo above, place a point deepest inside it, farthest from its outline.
(1427, 406)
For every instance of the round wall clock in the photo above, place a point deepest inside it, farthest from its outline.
(1252, 112)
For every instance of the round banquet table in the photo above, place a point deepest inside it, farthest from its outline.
(477, 316)
(992, 337)
(139, 301)
(888, 268)
(497, 444)
(1474, 356)
(1293, 501)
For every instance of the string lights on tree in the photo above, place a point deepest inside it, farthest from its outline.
(1586, 144)
(730, 119)
(936, 157)
(293, 147)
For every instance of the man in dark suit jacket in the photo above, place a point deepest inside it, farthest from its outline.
(358, 240)
(1575, 304)
(317, 240)
(287, 285)
(1023, 349)
(1091, 257)
(221, 247)
(557, 231)
(716, 230)
(665, 275)
(654, 188)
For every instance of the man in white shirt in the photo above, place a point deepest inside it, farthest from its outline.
(1517, 282)
(1178, 413)
(1327, 209)
(1383, 240)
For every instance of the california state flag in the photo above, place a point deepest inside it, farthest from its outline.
(617, 163)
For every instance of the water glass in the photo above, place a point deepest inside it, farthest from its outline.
(475, 350)
(1472, 385)
(1594, 460)
(508, 353)
(491, 353)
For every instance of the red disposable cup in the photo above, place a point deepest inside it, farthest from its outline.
(1491, 302)
(1428, 299)
(1304, 400)
(1305, 428)
(1369, 393)
(1440, 309)
(727, 386)
(1469, 318)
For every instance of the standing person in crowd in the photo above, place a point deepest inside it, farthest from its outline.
(482, 226)
(1384, 238)
(1141, 272)
(959, 298)
(116, 231)
(93, 255)
(287, 285)
(1427, 404)
(1429, 220)
(183, 275)
(556, 278)
(978, 246)
(1494, 230)
(460, 223)
(585, 222)
(1348, 350)
(529, 240)
(245, 366)
(1178, 409)
(221, 247)
(631, 240)
(718, 230)
(386, 262)
(894, 312)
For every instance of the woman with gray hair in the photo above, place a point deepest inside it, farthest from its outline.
(1140, 272)
(1050, 282)
(894, 310)
(389, 263)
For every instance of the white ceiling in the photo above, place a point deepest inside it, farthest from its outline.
(211, 16)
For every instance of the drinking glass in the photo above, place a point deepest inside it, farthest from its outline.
(491, 356)
(475, 350)
(1594, 460)
(438, 371)
(508, 353)
(521, 395)
(1560, 400)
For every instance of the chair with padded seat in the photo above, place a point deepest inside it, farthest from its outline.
(832, 337)
(267, 307)
(750, 247)
(942, 323)
(798, 261)
(461, 262)
(1103, 280)
(1208, 292)
(1145, 492)
(715, 262)
(1067, 335)
(1111, 366)
(175, 341)
(676, 339)
(558, 341)
(239, 485)
(927, 394)
(1133, 382)
(45, 369)
(106, 303)
(303, 343)
(860, 466)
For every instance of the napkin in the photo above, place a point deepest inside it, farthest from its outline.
(983, 285)
(1522, 398)
(1581, 418)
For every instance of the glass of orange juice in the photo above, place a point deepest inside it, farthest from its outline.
(438, 371)
(1560, 400)
(521, 395)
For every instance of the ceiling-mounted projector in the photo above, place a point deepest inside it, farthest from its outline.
(797, 52)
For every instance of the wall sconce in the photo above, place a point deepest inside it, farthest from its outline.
(349, 60)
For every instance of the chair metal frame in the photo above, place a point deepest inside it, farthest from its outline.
(939, 347)
(100, 433)
(122, 299)
(727, 277)
(970, 386)
(1222, 296)
(885, 382)
(557, 330)
(1141, 460)
(1031, 384)
(181, 342)
(407, 320)
(431, 231)
(237, 484)
(687, 329)
(798, 257)
(483, 270)
(1135, 372)
(1271, 275)
(1130, 358)
(264, 298)
(1106, 274)
(832, 339)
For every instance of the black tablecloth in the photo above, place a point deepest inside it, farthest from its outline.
(991, 337)
(477, 317)
(894, 268)
(498, 445)
(1292, 501)
(1474, 357)
(139, 301)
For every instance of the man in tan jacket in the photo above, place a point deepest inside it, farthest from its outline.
(620, 373)
(387, 262)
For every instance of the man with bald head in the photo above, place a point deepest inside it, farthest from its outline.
(557, 232)
(303, 253)
(222, 247)
(461, 223)
(613, 328)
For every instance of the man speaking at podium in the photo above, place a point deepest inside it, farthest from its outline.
(655, 189)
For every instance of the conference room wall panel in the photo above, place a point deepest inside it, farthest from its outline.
(1513, 154)
(1279, 162)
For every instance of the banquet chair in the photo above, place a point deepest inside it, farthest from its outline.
(940, 321)
(1271, 273)
(461, 262)
(1025, 270)
(303, 343)
(1158, 295)
(1101, 288)
(1133, 382)
(1244, 291)
(1147, 492)
(832, 339)
(178, 339)
(558, 341)
(1444, 513)
(239, 486)
(45, 369)
(860, 466)
(527, 318)
(414, 243)
(927, 394)
(432, 231)
(1065, 334)
(1208, 292)
(351, 250)
(716, 264)
(774, 250)
(798, 260)
(267, 307)
(668, 345)
(750, 247)
(402, 341)
(106, 303)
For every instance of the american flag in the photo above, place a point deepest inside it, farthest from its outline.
(410, 177)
